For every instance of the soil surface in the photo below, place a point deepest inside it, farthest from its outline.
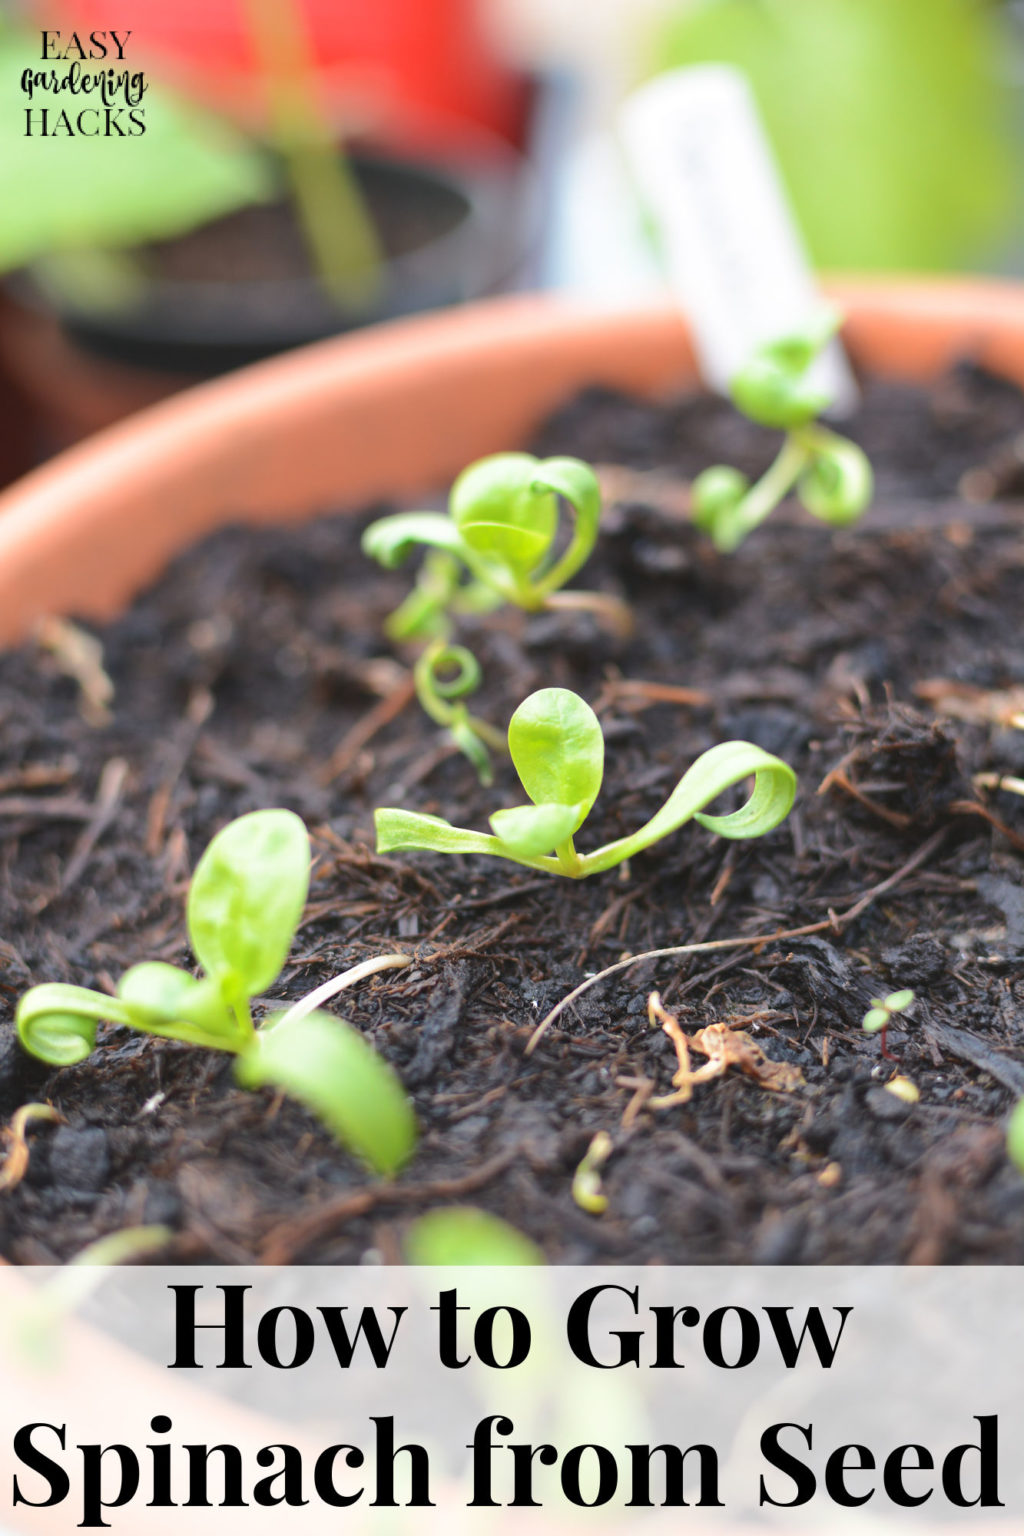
(885, 663)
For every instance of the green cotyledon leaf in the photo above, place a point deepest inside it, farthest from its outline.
(714, 772)
(503, 513)
(397, 829)
(246, 899)
(58, 1023)
(532, 829)
(391, 539)
(557, 747)
(164, 1000)
(331, 1069)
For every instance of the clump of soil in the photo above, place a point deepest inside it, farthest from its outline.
(884, 663)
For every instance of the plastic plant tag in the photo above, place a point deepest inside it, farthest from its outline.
(705, 173)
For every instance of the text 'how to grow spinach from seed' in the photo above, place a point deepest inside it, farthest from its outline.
(557, 747)
(831, 476)
(244, 905)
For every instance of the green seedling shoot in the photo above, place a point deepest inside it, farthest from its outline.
(443, 675)
(587, 1188)
(879, 1016)
(557, 748)
(501, 531)
(832, 476)
(496, 544)
(244, 905)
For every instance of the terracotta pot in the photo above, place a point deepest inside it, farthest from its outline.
(392, 411)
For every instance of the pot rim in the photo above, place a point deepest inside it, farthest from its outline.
(391, 411)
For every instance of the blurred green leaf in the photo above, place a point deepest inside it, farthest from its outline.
(328, 1066)
(65, 194)
(464, 1235)
(889, 118)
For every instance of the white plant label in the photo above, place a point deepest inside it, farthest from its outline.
(705, 173)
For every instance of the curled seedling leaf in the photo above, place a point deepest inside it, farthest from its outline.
(444, 674)
(557, 748)
(244, 905)
(831, 475)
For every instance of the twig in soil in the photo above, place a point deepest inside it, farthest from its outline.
(366, 728)
(39, 775)
(328, 989)
(108, 797)
(724, 1047)
(975, 808)
(287, 1241)
(15, 1164)
(80, 656)
(835, 922)
(197, 711)
(634, 694)
(970, 1047)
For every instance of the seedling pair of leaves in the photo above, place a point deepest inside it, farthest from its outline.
(557, 747)
(832, 476)
(500, 530)
(497, 544)
(244, 905)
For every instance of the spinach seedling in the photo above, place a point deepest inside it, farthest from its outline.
(244, 905)
(831, 475)
(501, 529)
(557, 748)
(879, 1016)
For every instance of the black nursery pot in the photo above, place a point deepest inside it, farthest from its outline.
(239, 288)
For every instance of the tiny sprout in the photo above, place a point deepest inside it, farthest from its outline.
(879, 1016)
(832, 476)
(586, 1185)
(1015, 1136)
(462, 1235)
(244, 904)
(557, 747)
(903, 1088)
(501, 528)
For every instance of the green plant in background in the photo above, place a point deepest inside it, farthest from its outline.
(244, 905)
(66, 195)
(1015, 1136)
(879, 1016)
(557, 748)
(891, 119)
(831, 476)
(76, 209)
(498, 543)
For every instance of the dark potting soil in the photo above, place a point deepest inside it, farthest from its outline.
(885, 663)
